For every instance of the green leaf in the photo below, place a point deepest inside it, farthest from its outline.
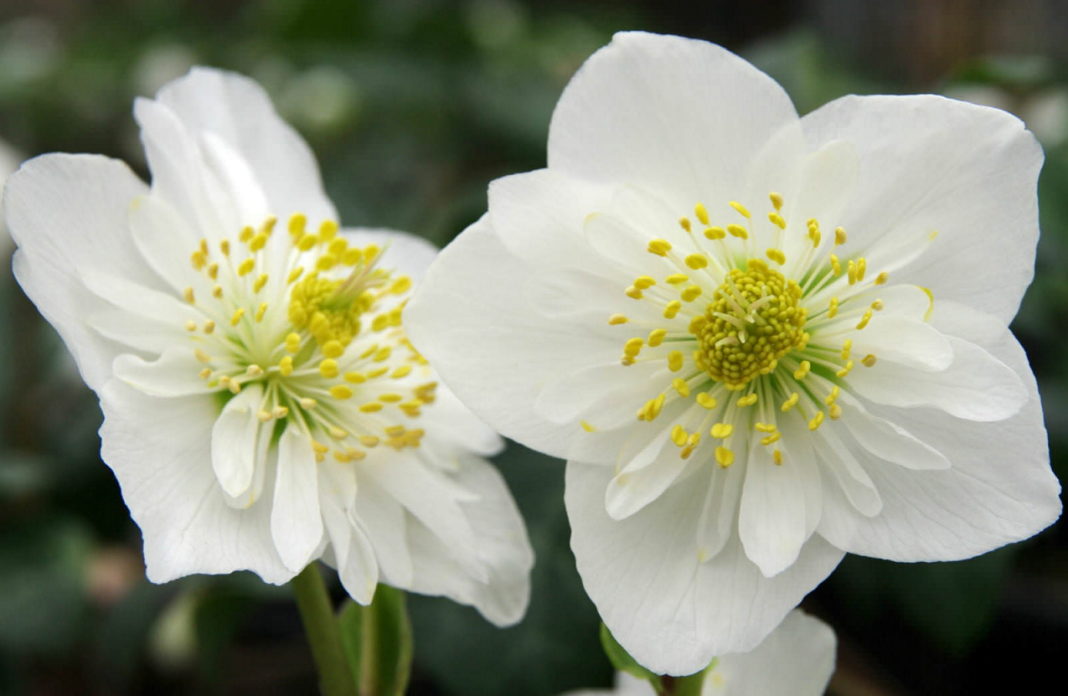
(378, 642)
(622, 660)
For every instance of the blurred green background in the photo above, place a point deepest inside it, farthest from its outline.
(412, 107)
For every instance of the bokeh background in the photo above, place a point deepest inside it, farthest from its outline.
(412, 107)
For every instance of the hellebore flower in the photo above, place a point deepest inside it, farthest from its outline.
(263, 406)
(760, 341)
(796, 659)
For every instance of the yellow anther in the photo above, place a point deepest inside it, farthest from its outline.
(205, 373)
(878, 305)
(306, 242)
(336, 432)
(296, 224)
(333, 349)
(245, 267)
(246, 233)
(701, 212)
(742, 210)
(832, 395)
(213, 271)
(660, 247)
(685, 224)
(633, 292)
(261, 311)
(292, 342)
(868, 360)
(674, 361)
(676, 278)
(189, 296)
(771, 439)
(721, 431)
(790, 402)
(201, 356)
(260, 282)
(776, 200)
(748, 399)
(696, 261)
(336, 247)
(882, 278)
(776, 457)
(738, 231)
(845, 370)
(199, 259)
(355, 377)
(839, 236)
(691, 293)
(307, 403)
(852, 272)
(294, 274)
(390, 398)
(383, 353)
(644, 282)
(706, 400)
(401, 371)
(816, 420)
(864, 319)
(377, 372)
(263, 416)
(328, 229)
(325, 262)
(834, 411)
(776, 255)
(832, 308)
(257, 242)
(671, 309)
(862, 268)
(340, 391)
(328, 368)
(803, 370)
(836, 265)
(847, 347)
(697, 324)
(217, 292)
(587, 426)
(777, 220)
(234, 386)
(715, 233)
(285, 366)
(395, 430)
(633, 346)
(681, 386)
(765, 427)
(679, 435)
(401, 285)
(253, 370)
(656, 337)
(224, 247)
(351, 256)
(724, 457)
(190, 325)
(369, 441)
(235, 319)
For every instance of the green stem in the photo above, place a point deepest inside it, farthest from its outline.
(324, 637)
(682, 686)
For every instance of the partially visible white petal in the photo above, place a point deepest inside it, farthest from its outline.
(472, 319)
(633, 488)
(165, 240)
(715, 527)
(904, 341)
(160, 452)
(977, 386)
(676, 116)
(404, 253)
(359, 573)
(887, 440)
(670, 610)
(67, 213)
(503, 550)
(848, 473)
(386, 524)
(141, 301)
(296, 520)
(174, 373)
(933, 164)
(234, 439)
(797, 659)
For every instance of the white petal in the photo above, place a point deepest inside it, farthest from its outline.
(472, 319)
(160, 452)
(234, 442)
(635, 487)
(66, 213)
(889, 441)
(236, 110)
(451, 422)
(503, 549)
(676, 116)
(296, 522)
(671, 611)
(977, 386)
(716, 524)
(165, 240)
(933, 164)
(998, 489)
(904, 341)
(845, 468)
(359, 573)
(174, 373)
(144, 303)
(386, 525)
(771, 519)
(797, 659)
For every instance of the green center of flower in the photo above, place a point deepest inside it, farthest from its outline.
(753, 320)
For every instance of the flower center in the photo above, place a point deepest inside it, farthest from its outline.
(753, 320)
(313, 325)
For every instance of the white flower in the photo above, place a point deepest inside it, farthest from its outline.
(796, 659)
(760, 341)
(262, 404)
(9, 162)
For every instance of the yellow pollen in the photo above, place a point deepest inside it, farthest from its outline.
(868, 360)
(685, 224)
(236, 318)
(691, 293)
(633, 346)
(701, 212)
(864, 319)
(777, 220)
(834, 411)
(771, 439)
(644, 282)
(776, 255)
(189, 296)
(754, 319)
(748, 400)
(217, 291)
(724, 457)
(832, 308)
(617, 319)
(224, 247)
(845, 370)
(706, 400)
(245, 267)
(803, 370)
(285, 366)
(660, 247)
(877, 305)
(201, 356)
(676, 278)
(696, 261)
(882, 278)
(715, 233)
(257, 242)
(832, 395)
(190, 325)
(260, 282)
(672, 308)
(328, 368)
(675, 361)
(839, 236)
(836, 265)
(333, 349)
(765, 427)
(790, 402)
(681, 386)
(587, 426)
(847, 347)
(816, 420)
(633, 292)
(738, 231)
(260, 311)
(776, 200)
(776, 456)
(742, 210)
(340, 391)
(656, 337)
(401, 371)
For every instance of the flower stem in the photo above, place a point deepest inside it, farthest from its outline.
(682, 686)
(324, 636)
